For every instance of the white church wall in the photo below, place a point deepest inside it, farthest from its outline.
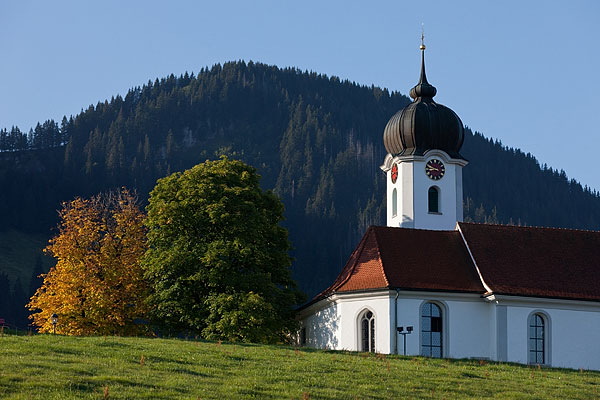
(473, 328)
(351, 307)
(459, 194)
(404, 216)
(334, 323)
(469, 329)
(322, 326)
(465, 320)
(571, 331)
(575, 339)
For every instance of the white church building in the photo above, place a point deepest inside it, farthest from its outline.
(429, 284)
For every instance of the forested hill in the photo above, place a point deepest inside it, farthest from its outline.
(316, 140)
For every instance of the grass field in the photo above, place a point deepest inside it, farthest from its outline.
(58, 367)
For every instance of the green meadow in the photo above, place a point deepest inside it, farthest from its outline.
(59, 367)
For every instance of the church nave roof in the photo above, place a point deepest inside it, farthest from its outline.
(512, 260)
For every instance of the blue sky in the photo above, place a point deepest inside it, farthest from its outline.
(524, 72)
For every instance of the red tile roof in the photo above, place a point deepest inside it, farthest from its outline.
(412, 259)
(544, 262)
(524, 261)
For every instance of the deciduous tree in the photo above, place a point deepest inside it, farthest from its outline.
(97, 285)
(218, 258)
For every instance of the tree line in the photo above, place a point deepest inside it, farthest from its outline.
(44, 136)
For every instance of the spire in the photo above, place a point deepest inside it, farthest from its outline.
(423, 88)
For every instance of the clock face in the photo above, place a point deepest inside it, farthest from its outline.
(435, 169)
(394, 174)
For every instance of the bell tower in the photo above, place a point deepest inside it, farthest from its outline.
(423, 166)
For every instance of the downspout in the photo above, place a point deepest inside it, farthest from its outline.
(396, 321)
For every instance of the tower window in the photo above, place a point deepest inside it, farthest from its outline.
(434, 200)
(394, 203)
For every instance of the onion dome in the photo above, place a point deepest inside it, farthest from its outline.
(424, 124)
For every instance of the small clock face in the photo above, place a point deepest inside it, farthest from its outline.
(435, 169)
(394, 173)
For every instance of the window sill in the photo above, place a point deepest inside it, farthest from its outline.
(434, 213)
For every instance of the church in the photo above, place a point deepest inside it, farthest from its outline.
(429, 284)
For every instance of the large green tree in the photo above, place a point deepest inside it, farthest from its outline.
(217, 256)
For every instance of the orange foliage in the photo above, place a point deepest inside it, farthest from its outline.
(97, 285)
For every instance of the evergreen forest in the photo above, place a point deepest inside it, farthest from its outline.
(316, 141)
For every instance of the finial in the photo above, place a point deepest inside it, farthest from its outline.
(423, 89)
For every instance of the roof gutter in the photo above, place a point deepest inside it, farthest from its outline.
(395, 330)
(489, 290)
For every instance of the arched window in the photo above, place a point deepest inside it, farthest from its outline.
(367, 331)
(394, 203)
(431, 330)
(537, 339)
(434, 200)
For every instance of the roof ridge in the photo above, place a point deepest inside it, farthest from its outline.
(411, 229)
(464, 239)
(531, 227)
(361, 245)
(359, 249)
(387, 282)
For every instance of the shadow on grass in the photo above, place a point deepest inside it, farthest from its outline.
(108, 380)
(113, 344)
(66, 351)
(160, 359)
(185, 371)
(468, 375)
(238, 358)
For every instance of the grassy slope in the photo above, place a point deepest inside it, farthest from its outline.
(57, 367)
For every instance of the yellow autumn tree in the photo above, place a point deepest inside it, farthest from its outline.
(97, 285)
